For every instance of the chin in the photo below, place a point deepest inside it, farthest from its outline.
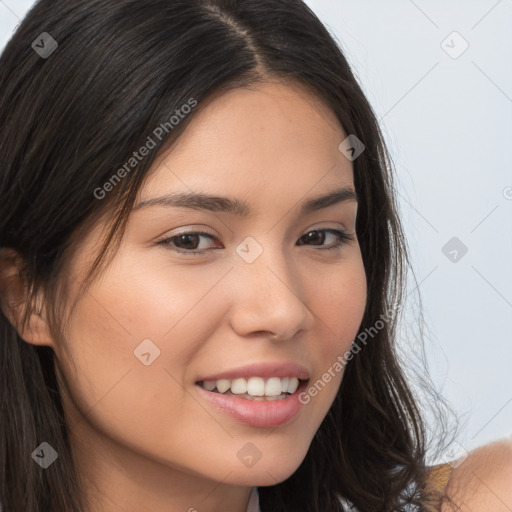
(267, 472)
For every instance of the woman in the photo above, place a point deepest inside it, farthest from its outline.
(201, 270)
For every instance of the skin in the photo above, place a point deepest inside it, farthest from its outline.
(143, 438)
(482, 482)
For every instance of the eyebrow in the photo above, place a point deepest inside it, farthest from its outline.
(198, 201)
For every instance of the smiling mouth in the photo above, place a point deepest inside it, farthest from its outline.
(254, 388)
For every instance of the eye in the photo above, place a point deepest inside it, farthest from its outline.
(319, 235)
(189, 242)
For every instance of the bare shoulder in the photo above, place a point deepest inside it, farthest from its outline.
(483, 481)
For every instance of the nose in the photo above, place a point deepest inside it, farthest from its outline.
(268, 298)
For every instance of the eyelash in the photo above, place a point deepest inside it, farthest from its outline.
(343, 239)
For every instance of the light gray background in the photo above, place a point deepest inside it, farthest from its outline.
(448, 125)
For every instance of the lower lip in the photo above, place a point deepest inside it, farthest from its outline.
(261, 414)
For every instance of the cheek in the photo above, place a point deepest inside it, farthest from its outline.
(112, 323)
(105, 378)
(341, 302)
(134, 403)
(338, 303)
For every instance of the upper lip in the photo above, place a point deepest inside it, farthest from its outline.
(266, 370)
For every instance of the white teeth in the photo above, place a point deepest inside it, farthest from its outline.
(293, 385)
(273, 386)
(239, 386)
(223, 385)
(254, 386)
(209, 385)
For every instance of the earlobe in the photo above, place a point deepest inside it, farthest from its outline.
(36, 332)
(14, 301)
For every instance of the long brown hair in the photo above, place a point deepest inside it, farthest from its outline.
(118, 69)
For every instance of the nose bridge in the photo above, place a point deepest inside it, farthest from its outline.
(269, 295)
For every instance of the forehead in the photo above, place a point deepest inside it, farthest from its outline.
(275, 138)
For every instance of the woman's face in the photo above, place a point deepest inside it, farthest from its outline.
(163, 316)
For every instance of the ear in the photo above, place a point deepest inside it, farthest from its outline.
(14, 301)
